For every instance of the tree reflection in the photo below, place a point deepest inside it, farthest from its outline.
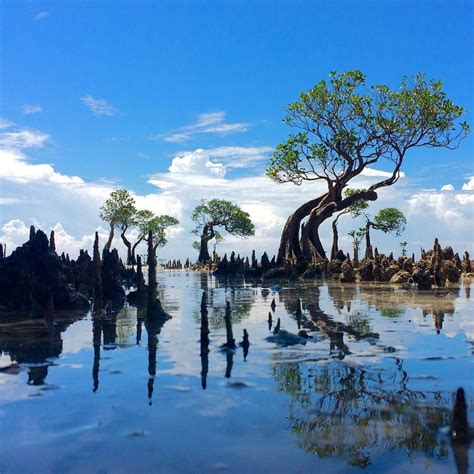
(33, 342)
(356, 413)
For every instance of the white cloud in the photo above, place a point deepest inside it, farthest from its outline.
(41, 15)
(29, 109)
(447, 187)
(469, 186)
(196, 162)
(240, 156)
(449, 216)
(99, 106)
(16, 168)
(378, 173)
(213, 122)
(12, 137)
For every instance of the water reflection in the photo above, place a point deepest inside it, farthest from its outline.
(33, 343)
(350, 394)
(357, 413)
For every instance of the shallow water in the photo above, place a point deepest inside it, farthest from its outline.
(372, 389)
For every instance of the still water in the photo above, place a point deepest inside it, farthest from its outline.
(371, 390)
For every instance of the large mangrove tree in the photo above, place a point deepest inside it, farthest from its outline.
(343, 127)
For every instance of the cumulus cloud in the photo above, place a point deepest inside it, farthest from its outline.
(449, 216)
(15, 167)
(447, 187)
(469, 186)
(208, 123)
(99, 106)
(196, 162)
(29, 109)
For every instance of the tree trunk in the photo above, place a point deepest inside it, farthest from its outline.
(325, 210)
(206, 236)
(129, 248)
(368, 246)
(134, 250)
(111, 237)
(204, 256)
(335, 239)
(311, 231)
(356, 253)
(290, 250)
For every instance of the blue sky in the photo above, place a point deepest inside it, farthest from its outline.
(159, 66)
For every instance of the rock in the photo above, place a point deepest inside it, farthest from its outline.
(401, 276)
(451, 272)
(422, 278)
(388, 272)
(366, 270)
(447, 253)
(334, 267)
(347, 272)
(33, 278)
(277, 273)
(466, 266)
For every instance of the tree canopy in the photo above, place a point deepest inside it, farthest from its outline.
(389, 220)
(347, 126)
(119, 212)
(119, 209)
(219, 213)
(158, 226)
(225, 214)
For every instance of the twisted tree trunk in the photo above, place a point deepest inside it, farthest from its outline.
(206, 236)
(326, 210)
(134, 250)
(290, 250)
(129, 247)
(108, 244)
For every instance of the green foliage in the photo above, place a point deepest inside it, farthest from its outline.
(359, 206)
(225, 214)
(141, 220)
(390, 220)
(158, 226)
(119, 210)
(357, 236)
(346, 125)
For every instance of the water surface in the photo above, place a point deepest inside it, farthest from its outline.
(372, 389)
